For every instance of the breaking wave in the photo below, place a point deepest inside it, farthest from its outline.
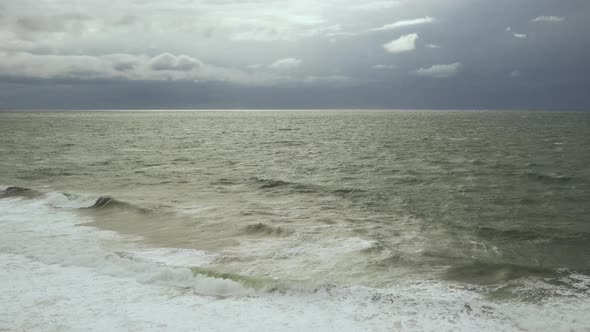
(266, 285)
(67, 200)
(14, 191)
(55, 240)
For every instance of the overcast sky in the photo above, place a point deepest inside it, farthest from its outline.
(167, 54)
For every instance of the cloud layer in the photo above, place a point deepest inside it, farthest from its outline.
(329, 46)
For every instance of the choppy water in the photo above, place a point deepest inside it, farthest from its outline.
(468, 209)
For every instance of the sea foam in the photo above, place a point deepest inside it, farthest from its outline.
(57, 274)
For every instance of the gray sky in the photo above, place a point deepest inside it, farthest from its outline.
(156, 54)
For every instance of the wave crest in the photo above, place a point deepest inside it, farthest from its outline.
(264, 229)
(65, 200)
(15, 191)
(547, 177)
(296, 187)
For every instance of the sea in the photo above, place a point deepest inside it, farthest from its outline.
(295, 221)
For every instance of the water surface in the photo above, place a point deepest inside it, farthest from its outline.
(493, 201)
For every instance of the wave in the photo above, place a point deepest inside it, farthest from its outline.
(68, 200)
(490, 273)
(57, 240)
(512, 234)
(264, 229)
(530, 235)
(375, 247)
(264, 183)
(107, 202)
(224, 182)
(284, 142)
(179, 268)
(547, 177)
(265, 285)
(146, 266)
(14, 191)
(296, 187)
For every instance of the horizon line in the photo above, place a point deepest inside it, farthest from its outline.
(286, 110)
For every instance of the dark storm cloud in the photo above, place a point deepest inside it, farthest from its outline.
(342, 54)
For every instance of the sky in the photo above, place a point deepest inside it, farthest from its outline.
(277, 54)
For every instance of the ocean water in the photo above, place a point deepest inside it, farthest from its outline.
(291, 221)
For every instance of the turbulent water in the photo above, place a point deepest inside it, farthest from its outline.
(401, 220)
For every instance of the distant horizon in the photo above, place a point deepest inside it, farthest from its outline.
(292, 110)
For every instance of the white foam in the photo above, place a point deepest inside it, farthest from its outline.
(174, 256)
(57, 276)
(32, 229)
(300, 256)
(194, 209)
(73, 298)
(59, 200)
(302, 244)
(330, 247)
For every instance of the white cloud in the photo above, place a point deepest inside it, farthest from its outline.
(515, 34)
(550, 19)
(432, 46)
(168, 61)
(384, 67)
(375, 5)
(286, 64)
(386, 27)
(515, 74)
(404, 43)
(405, 23)
(440, 71)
